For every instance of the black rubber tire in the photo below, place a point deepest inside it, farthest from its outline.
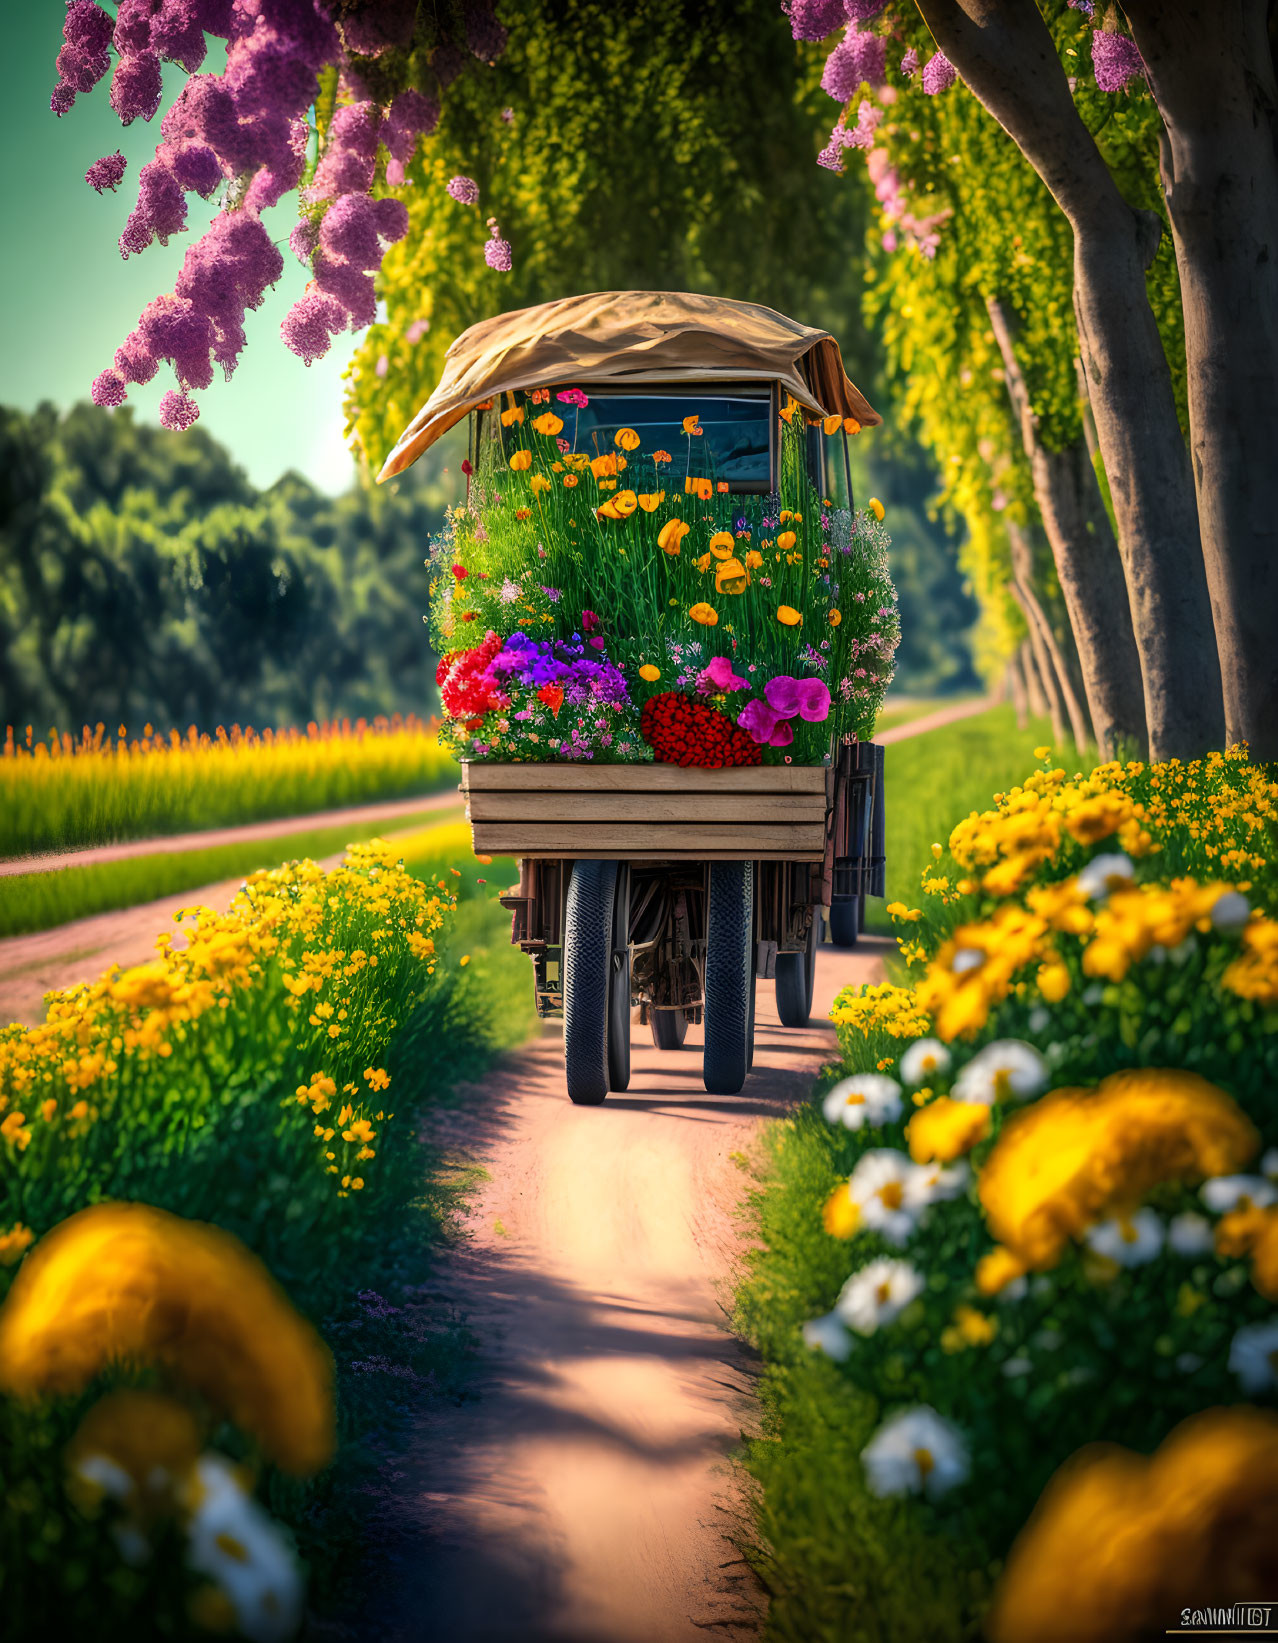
(845, 922)
(587, 962)
(619, 985)
(796, 976)
(669, 1028)
(730, 965)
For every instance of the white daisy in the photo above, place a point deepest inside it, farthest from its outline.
(1232, 910)
(1269, 1164)
(879, 1186)
(235, 1543)
(878, 1294)
(869, 1098)
(1131, 1240)
(965, 959)
(1105, 873)
(1253, 1356)
(923, 1060)
(937, 1183)
(915, 1451)
(1229, 1192)
(828, 1334)
(1190, 1234)
(1007, 1067)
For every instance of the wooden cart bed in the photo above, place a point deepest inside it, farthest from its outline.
(649, 812)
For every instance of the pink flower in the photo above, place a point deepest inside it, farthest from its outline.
(573, 396)
(718, 675)
(590, 623)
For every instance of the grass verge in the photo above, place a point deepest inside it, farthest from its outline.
(41, 901)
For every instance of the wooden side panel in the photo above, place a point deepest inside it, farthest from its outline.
(642, 778)
(673, 840)
(644, 809)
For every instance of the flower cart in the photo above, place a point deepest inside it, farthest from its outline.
(664, 633)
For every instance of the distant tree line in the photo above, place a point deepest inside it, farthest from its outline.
(143, 578)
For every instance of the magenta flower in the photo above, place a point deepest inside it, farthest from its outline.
(758, 720)
(809, 698)
(782, 736)
(573, 396)
(465, 190)
(590, 622)
(1116, 61)
(939, 74)
(108, 172)
(718, 675)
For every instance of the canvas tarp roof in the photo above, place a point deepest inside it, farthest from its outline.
(628, 337)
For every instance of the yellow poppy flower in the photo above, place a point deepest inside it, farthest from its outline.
(702, 489)
(788, 616)
(705, 562)
(513, 416)
(707, 615)
(788, 409)
(521, 460)
(721, 544)
(753, 559)
(784, 515)
(786, 541)
(620, 506)
(832, 424)
(627, 438)
(731, 577)
(603, 467)
(539, 482)
(649, 673)
(671, 535)
(836, 617)
(650, 501)
(692, 425)
(548, 423)
(876, 507)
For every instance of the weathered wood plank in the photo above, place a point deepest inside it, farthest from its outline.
(642, 778)
(743, 841)
(645, 809)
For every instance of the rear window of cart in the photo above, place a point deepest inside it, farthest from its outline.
(734, 441)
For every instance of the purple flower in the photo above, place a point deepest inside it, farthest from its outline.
(349, 152)
(311, 323)
(758, 720)
(108, 172)
(551, 593)
(178, 411)
(939, 74)
(465, 190)
(863, 11)
(135, 87)
(857, 59)
(718, 675)
(1115, 60)
(814, 19)
(108, 389)
(508, 116)
(379, 28)
(809, 698)
(497, 253)
(485, 36)
(411, 115)
(87, 27)
(910, 63)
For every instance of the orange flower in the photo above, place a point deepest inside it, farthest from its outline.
(521, 460)
(570, 480)
(707, 615)
(662, 456)
(753, 559)
(514, 415)
(604, 467)
(539, 482)
(788, 616)
(832, 424)
(700, 488)
(692, 425)
(541, 396)
(731, 577)
(722, 486)
(721, 544)
(835, 618)
(649, 674)
(789, 408)
(650, 501)
(786, 541)
(523, 513)
(671, 535)
(548, 423)
(627, 438)
(851, 425)
(620, 506)
(705, 562)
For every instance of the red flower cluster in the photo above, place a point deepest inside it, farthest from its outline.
(682, 731)
(465, 685)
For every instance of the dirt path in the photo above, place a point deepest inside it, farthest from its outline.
(175, 843)
(936, 721)
(583, 1495)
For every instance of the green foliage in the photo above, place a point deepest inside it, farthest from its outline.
(142, 578)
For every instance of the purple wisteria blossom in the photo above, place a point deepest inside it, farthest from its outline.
(1115, 60)
(497, 252)
(939, 74)
(858, 59)
(465, 190)
(108, 172)
(814, 19)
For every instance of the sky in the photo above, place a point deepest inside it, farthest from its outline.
(68, 299)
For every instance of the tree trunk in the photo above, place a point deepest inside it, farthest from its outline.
(1016, 689)
(1212, 74)
(1047, 651)
(1035, 696)
(1005, 54)
(1044, 686)
(1088, 566)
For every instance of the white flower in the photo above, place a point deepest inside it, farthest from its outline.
(1131, 1240)
(235, 1543)
(965, 959)
(1006, 1067)
(1191, 1234)
(924, 1058)
(1017, 1366)
(1253, 1355)
(1105, 873)
(869, 1098)
(1040, 1018)
(915, 1451)
(1269, 1164)
(1229, 1192)
(828, 1334)
(1016, 1290)
(878, 1294)
(1094, 994)
(878, 1186)
(936, 1183)
(1232, 910)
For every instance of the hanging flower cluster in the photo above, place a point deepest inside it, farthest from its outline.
(245, 135)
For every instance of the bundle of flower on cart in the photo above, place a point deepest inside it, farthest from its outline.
(625, 605)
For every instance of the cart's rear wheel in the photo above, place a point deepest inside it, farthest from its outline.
(587, 975)
(619, 984)
(729, 983)
(669, 1028)
(847, 919)
(796, 974)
